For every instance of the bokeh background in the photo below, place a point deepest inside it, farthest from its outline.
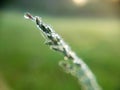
(90, 27)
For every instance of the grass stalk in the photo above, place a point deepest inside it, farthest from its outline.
(72, 63)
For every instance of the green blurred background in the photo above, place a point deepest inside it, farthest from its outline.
(90, 27)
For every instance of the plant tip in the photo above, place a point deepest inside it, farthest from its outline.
(28, 16)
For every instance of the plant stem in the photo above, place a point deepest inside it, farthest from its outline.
(72, 63)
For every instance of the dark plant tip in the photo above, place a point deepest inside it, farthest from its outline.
(28, 16)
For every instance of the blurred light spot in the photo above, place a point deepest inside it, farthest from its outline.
(80, 2)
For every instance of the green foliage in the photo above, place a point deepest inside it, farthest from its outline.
(25, 65)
